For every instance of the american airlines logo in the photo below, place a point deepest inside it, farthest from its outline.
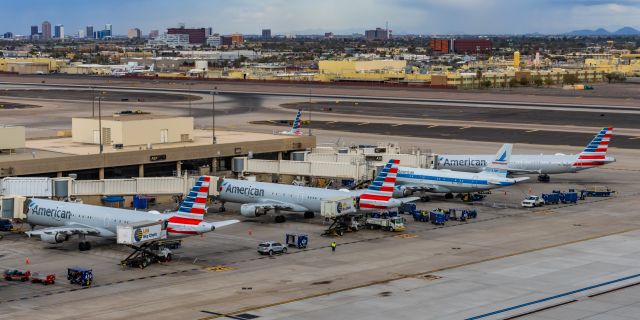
(53, 213)
(463, 162)
(249, 191)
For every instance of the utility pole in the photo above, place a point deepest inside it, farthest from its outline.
(213, 114)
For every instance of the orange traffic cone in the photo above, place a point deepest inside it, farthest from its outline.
(26, 261)
(250, 232)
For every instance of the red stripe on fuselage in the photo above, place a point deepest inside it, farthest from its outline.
(371, 206)
(587, 164)
(592, 157)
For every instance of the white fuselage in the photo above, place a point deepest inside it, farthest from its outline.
(42, 212)
(302, 199)
(446, 181)
(518, 164)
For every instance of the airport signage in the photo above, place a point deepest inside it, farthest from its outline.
(158, 157)
(373, 158)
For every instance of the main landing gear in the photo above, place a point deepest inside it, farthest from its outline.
(84, 245)
(544, 178)
(309, 215)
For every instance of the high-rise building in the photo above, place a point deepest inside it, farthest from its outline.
(58, 31)
(34, 30)
(7, 35)
(328, 35)
(153, 34)
(214, 40)
(266, 34)
(208, 31)
(46, 30)
(440, 45)
(377, 34)
(134, 33)
(196, 36)
(89, 32)
(471, 46)
(108, 30)
(81, 34)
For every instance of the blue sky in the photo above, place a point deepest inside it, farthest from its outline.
(314, 16)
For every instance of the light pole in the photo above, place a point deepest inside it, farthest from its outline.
(100, 122)
(310, 108)
(213, 114)
(93, 102)
(189, 84)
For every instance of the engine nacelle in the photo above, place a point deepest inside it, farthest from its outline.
(54, 238)
(401, 192)
(247, 210)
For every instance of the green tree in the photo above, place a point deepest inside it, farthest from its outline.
(513, 82)
(524, 81)
(548, 81)
(569, 78)
(537, 81)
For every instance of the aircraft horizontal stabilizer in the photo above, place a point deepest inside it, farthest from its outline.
(224, 223)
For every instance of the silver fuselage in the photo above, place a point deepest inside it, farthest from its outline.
(446, 181)
(518, 164)
(42, 212)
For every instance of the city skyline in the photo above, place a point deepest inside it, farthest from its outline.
(307, 17)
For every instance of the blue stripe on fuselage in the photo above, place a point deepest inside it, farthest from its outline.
(445, 179)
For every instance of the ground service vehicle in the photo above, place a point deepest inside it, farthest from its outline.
(17, 275)
(532, 201)
(45, 279)
(80, 276)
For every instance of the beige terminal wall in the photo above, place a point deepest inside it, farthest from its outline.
(12, 137)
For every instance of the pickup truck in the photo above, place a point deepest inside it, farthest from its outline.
(532, 201)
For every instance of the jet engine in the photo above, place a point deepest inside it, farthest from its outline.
(54, 238)
(248, 210)
(401, 192)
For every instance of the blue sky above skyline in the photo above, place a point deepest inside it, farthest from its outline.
(340, 17)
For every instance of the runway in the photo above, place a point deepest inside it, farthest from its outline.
(467, 133)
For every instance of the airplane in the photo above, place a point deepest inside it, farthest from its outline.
(258, 198)
(64, 219)
(295, 128)
(493, 175)
(594, 155)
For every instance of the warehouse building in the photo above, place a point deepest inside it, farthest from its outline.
(121, 130)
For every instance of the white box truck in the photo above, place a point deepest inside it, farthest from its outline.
(140, 232)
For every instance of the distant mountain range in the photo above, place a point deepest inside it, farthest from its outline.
(626, 31)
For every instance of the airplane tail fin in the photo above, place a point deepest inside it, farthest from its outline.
(500, 163)
(380, 191)
(295, 128)
(596, 151)
(194, 204)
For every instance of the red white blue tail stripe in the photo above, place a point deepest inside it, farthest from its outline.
(380, 191)
(595, 153)
(192, 209)
(295, 129)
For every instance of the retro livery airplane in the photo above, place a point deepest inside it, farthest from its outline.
(594, 155)
(64, 219)
(258, 198)
(493, 175)
(295, 128)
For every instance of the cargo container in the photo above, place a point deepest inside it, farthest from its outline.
(569, 197)
(336, 207)
(551, 198)
(437, 218)
(140, 232)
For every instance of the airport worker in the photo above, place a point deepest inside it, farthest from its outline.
(333, 246)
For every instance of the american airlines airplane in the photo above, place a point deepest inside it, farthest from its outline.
(493, 175)
(64, 219)
(258, 198)
(594, 155)
(295, 128)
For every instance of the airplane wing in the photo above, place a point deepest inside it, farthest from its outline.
(67, 230)
(420, 187)
(270, 204)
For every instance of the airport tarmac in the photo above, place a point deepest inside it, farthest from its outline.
(494, 262)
